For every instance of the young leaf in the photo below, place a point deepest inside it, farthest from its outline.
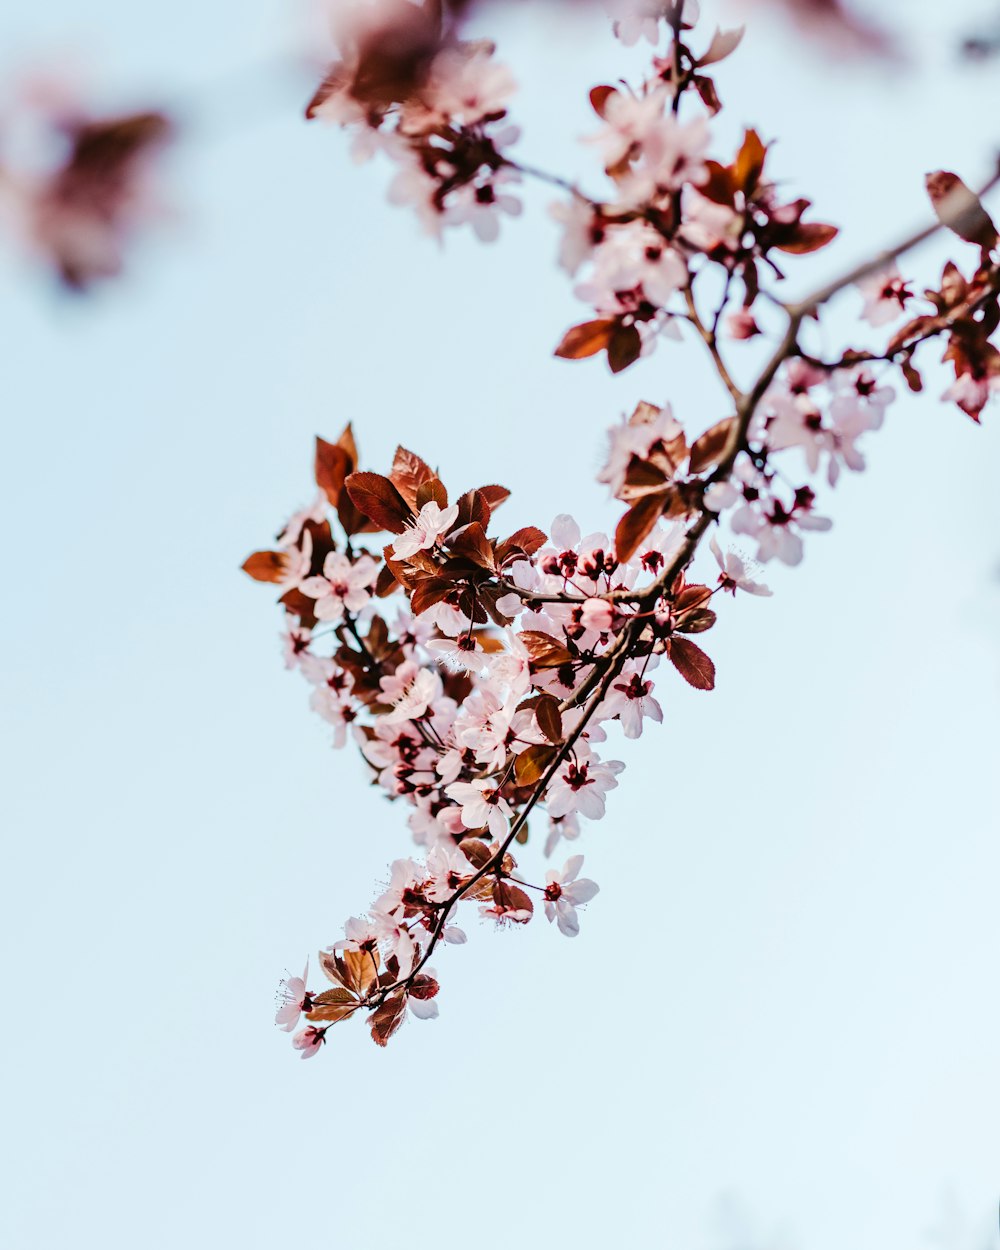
(586, 340)
(692, 663)
(379, 500)
(385, 1020)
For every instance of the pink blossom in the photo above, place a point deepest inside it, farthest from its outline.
(309, 1040)
(432, 523)
(564, 892)
(580, 786)
(344, 587)
(886, 295)
(415, 699)
(597, 614)
(293, 1000)
(733, 575)
(632, 701)
(482, 805)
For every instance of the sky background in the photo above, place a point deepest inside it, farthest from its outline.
(780, 1024)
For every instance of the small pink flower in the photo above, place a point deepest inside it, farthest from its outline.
(344, 587)
(293, 1000)
(886, 296)
(564, 893)
(597, 614)
(309, 1040)
(429, 528)
(482, 805)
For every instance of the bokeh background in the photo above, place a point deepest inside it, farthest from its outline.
(780, 1024)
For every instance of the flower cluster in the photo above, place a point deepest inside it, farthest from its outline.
(435, 105)
(75, 187)
(483, 677)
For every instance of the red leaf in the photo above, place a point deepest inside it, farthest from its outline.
(809, 238)
(549, 718)
(749, 163)
(423, 986)
(408, 474)
(266, 566)
(332, 465)
(708, 449)
(544, 650)
(624, 348)
(379, 500)
(494, 495)
(599, 97)
(692, 663)
(636, 524)
(586, 340)
(385, 1020)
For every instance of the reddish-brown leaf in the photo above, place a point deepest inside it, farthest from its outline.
(692, 663)
(624, 347)
(512, 897)
(636, 525)
(528, 540)
(531, 764)
(476, 852)
(494, 496)
(332, 466)
(708, 449)
(808, 237)
(266, 566)
(379, 500)
(332, 1005)
(749, 163)
(423, 986)
(408, 474)
(587, 339)
(385, 1020)
(432, 491)
(545, 651)
(362, 969)
(470, 543)
(549, 718)
(599, 97)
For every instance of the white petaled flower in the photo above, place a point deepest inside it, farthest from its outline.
(432, 523)
(343, 587)
(482, 805)
(564, 892)
(734, 575)
(293, 1000)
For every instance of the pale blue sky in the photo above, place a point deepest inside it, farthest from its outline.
(794, 1040)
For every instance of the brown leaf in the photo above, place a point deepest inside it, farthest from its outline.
(636, 525)
(549, 718)
(266, 566)
(379, 500)
(528, 540)
(385, 1020)
(476, 852)
(331, 468)
(708, 449)
(512, 897)
(423, 986)
(960, 209)
(494, 496)
(408, 474)
(362, 969)
(749, 163)
(544, 650)
(808, 237)
(692, 663)
(332, 1005)
(624, 347)
(470, 543)
(432, 491)
(586, 339)
(599, 97)
(531, 764)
